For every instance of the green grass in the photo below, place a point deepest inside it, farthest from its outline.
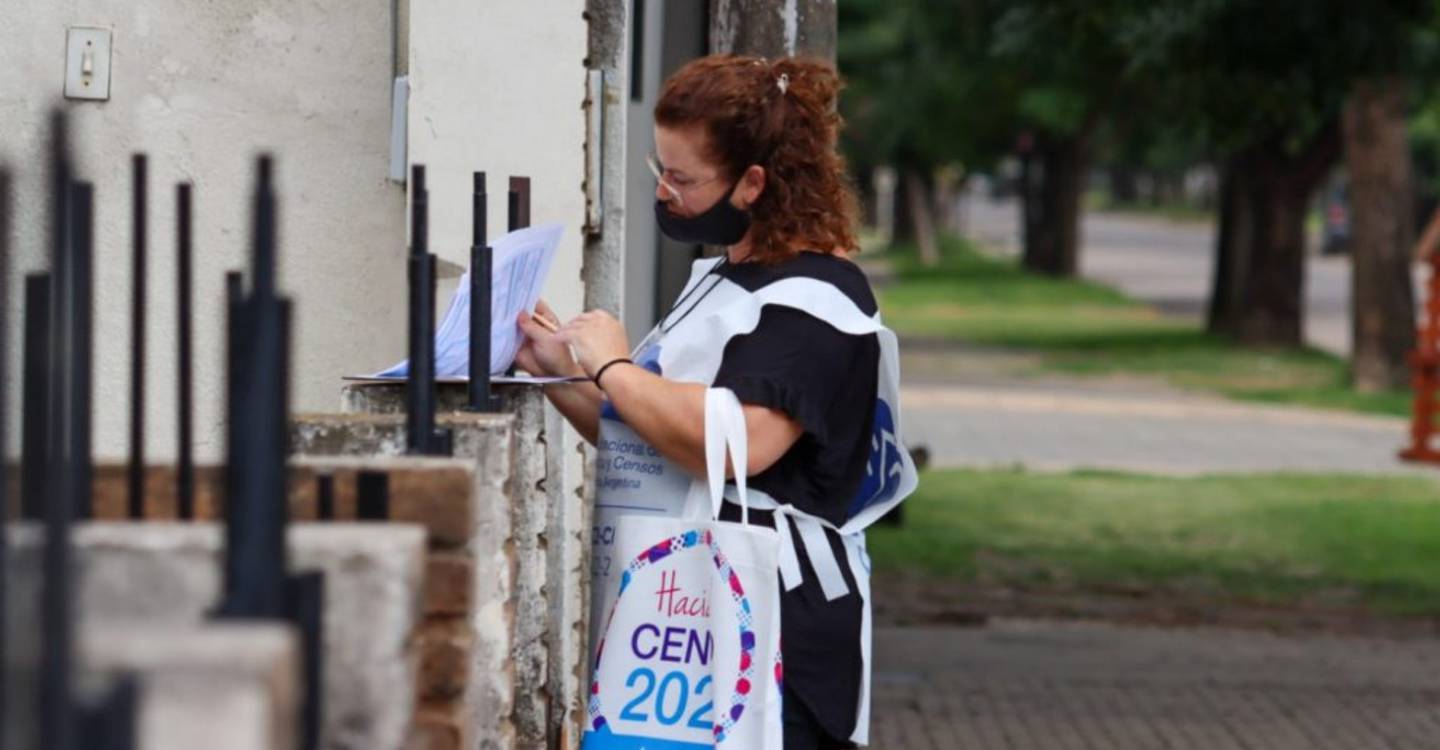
(1083, 328)
(1270, 539)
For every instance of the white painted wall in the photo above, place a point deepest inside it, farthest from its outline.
(495, 86)
(202, 87)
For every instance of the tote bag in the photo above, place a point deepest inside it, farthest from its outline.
(689, 655)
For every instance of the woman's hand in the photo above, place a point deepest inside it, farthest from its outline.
(596, 337)
(544, 353)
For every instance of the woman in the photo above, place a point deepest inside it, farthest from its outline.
(747, 161)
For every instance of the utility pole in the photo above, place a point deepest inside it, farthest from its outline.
(603, 270)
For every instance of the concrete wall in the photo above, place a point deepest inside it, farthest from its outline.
(495, 86)
(155, 575)
(202, 87)
(217, 685)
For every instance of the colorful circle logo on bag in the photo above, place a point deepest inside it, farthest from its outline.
(658, 682)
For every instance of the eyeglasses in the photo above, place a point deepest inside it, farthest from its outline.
(676, 190)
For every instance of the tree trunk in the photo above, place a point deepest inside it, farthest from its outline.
(1271, 303)
(1124, 185)
(1234, 237)
(922, 217)
(1027, 193)
(1382, 304)
(1156, 188)
(902, 222)
(883, 184)
(1258, 298)
(949, 188)
(1175, 186)
(1052, 245)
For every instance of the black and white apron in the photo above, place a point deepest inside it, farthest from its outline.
(632, 476)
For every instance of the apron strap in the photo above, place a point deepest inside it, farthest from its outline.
(811, 531)
(860, 569)
(790, 575)
(822, 557)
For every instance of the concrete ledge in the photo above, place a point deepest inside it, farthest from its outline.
(373, 584)
(220, 686)
(434, 492)
(165, 574)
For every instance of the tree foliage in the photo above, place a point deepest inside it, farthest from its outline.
(1256, 86)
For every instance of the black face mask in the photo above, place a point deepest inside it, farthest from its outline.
(721, 224)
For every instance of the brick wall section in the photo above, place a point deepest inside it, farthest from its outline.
(552, 553)
(550, 604)
(482, 714)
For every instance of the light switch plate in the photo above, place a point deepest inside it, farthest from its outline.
(87, 63)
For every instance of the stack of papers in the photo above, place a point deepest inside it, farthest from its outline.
(521, 261)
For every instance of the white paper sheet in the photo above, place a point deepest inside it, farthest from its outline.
(521, 261)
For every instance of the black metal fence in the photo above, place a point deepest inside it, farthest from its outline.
(55, 487)
(56, 464)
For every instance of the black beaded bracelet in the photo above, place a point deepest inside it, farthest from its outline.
(599, 373)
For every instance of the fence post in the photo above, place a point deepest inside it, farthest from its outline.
(422, 437)
(4, 483)
(185, 457)
(139, 201)
(35, 417)
(257, 583)
(57, 725)
(481, 269)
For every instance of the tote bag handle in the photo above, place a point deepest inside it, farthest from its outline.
(725, 429)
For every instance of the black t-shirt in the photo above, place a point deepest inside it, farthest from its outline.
(826, 380)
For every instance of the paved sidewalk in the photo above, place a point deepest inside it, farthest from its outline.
(1028, 685)
(984, 408)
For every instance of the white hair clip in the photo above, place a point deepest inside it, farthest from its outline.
(783, 82)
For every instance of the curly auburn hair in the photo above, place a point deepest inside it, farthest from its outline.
(749, 119)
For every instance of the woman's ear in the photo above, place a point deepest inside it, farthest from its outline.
(752, 185)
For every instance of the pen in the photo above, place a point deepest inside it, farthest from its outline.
(545, 323)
